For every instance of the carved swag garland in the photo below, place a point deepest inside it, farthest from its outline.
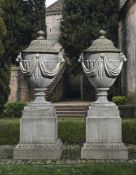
(29, 67)
(110, 71)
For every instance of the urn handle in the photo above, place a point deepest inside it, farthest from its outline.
(27, 67)
(123, 57)
(60, 56)
(93, 72)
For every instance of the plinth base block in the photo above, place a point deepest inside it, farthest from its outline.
(39, 133)
(38, 151)
(104, 151)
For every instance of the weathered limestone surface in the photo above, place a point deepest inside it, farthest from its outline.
(128, 44)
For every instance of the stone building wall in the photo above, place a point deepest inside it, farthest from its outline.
(128, 45)
(19, 87)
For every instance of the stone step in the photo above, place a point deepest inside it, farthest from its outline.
(71, 115)
(71, 109)
(71, 112)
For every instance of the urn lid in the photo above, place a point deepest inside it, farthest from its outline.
(41, 45)
(102, 44)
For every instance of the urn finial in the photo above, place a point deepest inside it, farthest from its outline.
(41, 34)
(102, 33)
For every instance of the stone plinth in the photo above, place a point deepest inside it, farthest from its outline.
(103, 133)
(38, 134)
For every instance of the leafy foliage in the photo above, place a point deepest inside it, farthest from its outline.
(129, 131)
(81, 22)
(119, 100)
(4, 68)
(14, 109)
(4, 83)
(23, 20)
(19, 23)
(9, 132)
(72, 131)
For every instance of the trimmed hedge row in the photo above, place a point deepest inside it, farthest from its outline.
(129, 131)
(9, 131)
(71, 131)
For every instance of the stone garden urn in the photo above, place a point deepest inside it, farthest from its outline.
(40, 62)
(102, 62)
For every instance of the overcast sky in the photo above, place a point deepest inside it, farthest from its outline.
(49, 2)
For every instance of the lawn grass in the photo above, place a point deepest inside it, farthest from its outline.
(92, 169)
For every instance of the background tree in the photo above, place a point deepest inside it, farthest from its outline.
(19, 23)
(4, 68)
(82, 20)
(23, 20)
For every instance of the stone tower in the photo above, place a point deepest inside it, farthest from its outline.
(53, 18)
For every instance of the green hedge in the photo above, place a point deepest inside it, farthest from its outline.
(71, 131)
(13, 109)
(9, 131)
(119, 100)
(129, 131)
